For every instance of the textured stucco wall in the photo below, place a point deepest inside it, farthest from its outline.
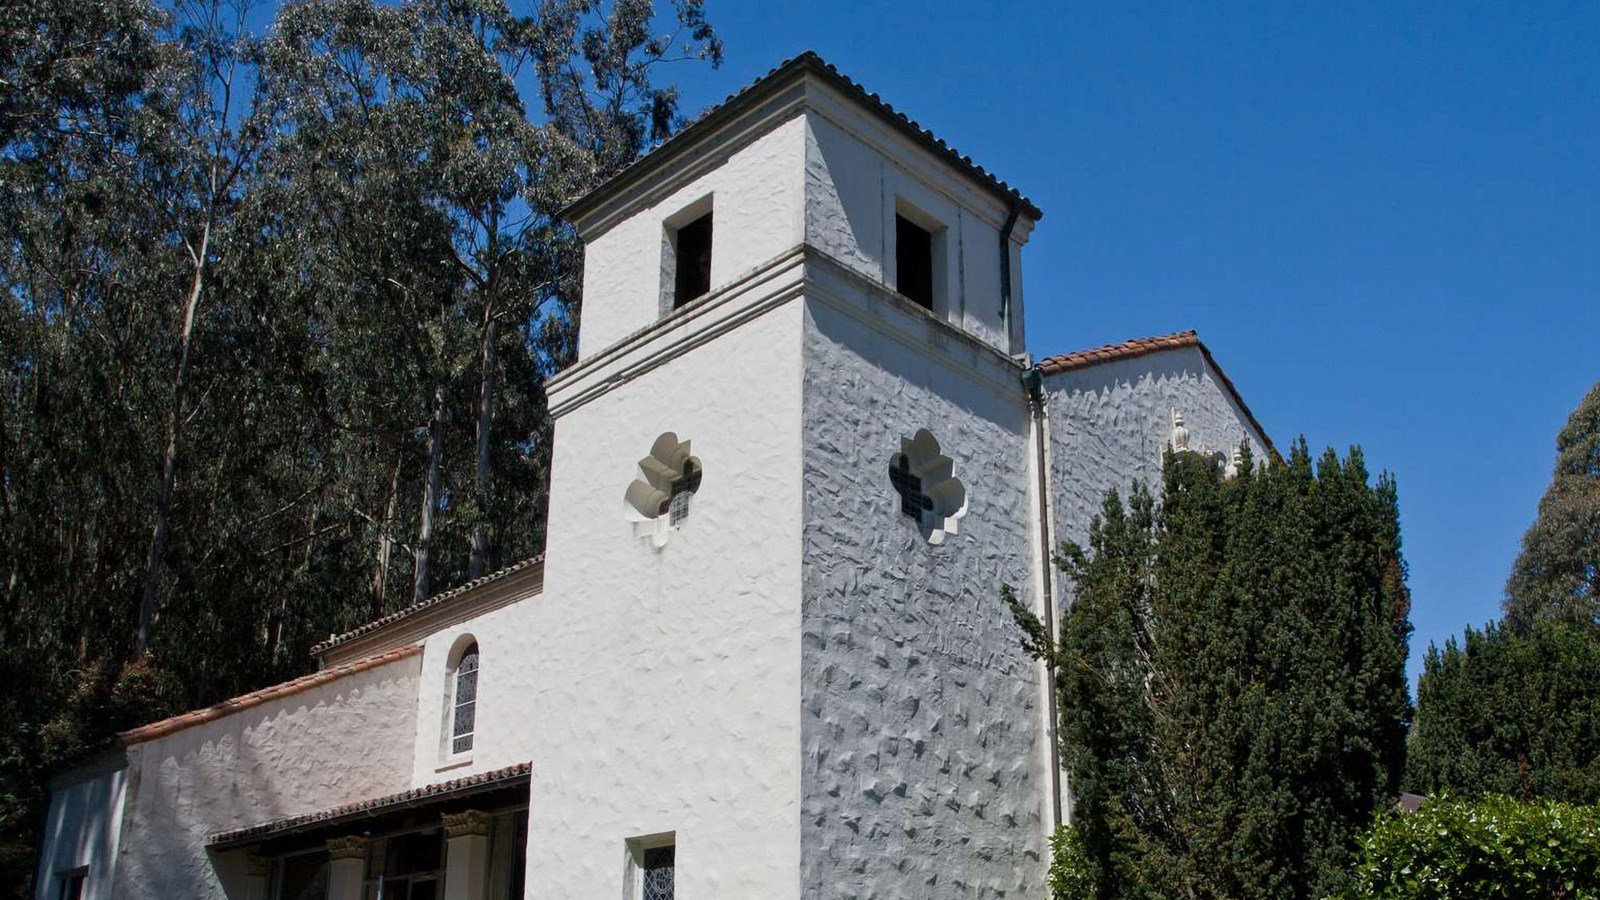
(1110, 423)
(661, 691)
(345, 741)
(856, 171)
(922, 773)
(756, 203)
(82, 829)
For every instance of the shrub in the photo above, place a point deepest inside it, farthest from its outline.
(1486, 848)
(1070, 876)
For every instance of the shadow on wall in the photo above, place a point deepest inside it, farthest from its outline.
(999, 400)
(335, 743)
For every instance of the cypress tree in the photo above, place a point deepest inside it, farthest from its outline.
(1510, 712)
(1557, 574)
(1232, 677)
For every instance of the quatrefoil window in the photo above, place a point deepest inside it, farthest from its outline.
(929, 493)
(658, 501)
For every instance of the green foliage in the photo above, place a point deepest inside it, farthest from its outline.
(277, 313)
(1508, 712)
(1557, 574)
(1071, 873)
(1232, 677)
(1495, 846)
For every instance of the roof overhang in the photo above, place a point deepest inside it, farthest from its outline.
(781, 86)
(487, 790)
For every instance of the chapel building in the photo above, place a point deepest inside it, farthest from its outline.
(764, 654)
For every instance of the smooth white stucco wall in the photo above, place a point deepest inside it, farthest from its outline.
(82, 829)
(507, 669)
(1110, 423)
(661, 691)
(348, 740)
(922, 773)
(756, 204)
(852, 189)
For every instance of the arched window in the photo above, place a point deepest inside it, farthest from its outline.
(463, 719)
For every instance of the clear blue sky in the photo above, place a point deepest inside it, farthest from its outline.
(1381, 217)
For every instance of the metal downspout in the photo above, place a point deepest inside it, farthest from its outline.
(1033, 380)
(1005, 268)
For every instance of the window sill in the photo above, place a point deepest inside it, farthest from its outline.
(454, 762)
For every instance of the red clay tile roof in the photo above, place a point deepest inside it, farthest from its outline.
(256, 698)
(1094, 356)
(431, 602)
(754, 92)
(1079, 359)
(445, 790)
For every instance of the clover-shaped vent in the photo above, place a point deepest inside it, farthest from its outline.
(658, 500)
(928, 490)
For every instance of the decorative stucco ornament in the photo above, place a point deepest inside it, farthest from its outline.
(1179, 440)
(928, 489)
(1235, 463)
(658, 501)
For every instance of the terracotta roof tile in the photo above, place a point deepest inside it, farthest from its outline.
(1094, 356)
(471, 784)
(430, 603)
(750, 93)
(255, 698)
(1079, 359)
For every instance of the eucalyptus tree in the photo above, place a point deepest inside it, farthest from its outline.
(405, 126)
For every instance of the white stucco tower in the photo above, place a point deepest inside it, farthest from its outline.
(791, 472)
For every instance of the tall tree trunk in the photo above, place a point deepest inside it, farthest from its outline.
(430, 497)
(169, 462)
(380, 577)
(480, 529)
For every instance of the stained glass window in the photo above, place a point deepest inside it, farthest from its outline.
(680, 492)
(913, 502)
(658, 865)
(466, 706)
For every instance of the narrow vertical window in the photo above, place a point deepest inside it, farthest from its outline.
(913, 261)
(657, 867)
(692, 261)
(72, 884)
(464, 719)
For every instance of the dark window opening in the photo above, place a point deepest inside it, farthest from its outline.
(692, 261)
(519, 856)
(913, 502)
(658, 865)
(913, 261)
(303, 876)
(72, 884)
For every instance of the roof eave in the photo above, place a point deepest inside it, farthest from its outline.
(806, 64)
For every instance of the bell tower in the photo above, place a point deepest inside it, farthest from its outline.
(790, 474)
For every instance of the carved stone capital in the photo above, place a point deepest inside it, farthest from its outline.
(470, 822)
(352, 846)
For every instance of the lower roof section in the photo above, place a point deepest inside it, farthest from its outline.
(501, 787)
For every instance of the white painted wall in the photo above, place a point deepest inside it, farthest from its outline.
(923, 774)
(661, 691)
(82, 829)
(1110, 423)
(757, 215)
(344, 741)
(858, 171)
